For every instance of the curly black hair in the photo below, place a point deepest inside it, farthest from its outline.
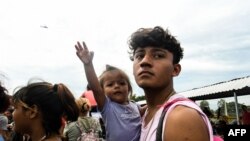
(156, 37)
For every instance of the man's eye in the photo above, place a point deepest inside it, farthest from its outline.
(157, 56)
(138, 56)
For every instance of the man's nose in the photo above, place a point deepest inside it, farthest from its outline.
(146, 61)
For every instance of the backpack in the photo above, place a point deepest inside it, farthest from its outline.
(90, 134)
(160, 124)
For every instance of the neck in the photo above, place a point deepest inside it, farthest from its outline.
(157, 97)
(38, 137)
(42, 138)
(82, 115)
(37, 132)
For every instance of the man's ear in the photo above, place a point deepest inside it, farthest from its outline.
(177, 70)
(33, 111)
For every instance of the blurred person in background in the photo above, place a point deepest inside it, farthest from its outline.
(4, 104)
(245, 118)
(85, 123)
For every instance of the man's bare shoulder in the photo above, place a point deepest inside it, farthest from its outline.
(184, 123)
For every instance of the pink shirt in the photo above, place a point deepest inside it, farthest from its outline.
(148, 133)
(218, 138)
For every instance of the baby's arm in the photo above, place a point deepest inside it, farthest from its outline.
(86, 57)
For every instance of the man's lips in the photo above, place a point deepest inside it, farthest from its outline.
(145, 73)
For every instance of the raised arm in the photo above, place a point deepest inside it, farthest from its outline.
(86, 57)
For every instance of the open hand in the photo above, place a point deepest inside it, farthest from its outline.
(83, 53)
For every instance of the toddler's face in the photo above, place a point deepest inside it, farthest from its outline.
(116, 87)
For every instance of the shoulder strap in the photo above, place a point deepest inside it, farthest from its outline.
(90, 125)
(79, 127)
(165, 109)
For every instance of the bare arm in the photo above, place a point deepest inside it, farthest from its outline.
(86, 57)
(185, 124)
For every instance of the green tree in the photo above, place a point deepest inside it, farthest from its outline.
(136, 98)
(132, 97)
(204, 104)
(231, 111)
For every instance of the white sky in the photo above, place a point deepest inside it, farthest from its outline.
(215, 35)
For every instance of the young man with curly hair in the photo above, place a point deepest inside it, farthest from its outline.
(156, 54)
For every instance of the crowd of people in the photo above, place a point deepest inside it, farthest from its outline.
(221, 121)
(43, 111)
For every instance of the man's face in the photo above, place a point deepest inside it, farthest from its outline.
(153, 67)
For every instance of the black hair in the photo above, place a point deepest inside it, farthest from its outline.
(53, 101)
(156, 37)
(4, 99)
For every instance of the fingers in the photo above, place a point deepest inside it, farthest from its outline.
(79, 47)
(85, 46)
(79, 44)
(77, 53)
(91, 54)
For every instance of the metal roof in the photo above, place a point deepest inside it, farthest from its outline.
(241, 86)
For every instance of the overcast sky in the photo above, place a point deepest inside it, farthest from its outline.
(37, 38)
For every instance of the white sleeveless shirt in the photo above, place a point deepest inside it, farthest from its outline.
(148, 133)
